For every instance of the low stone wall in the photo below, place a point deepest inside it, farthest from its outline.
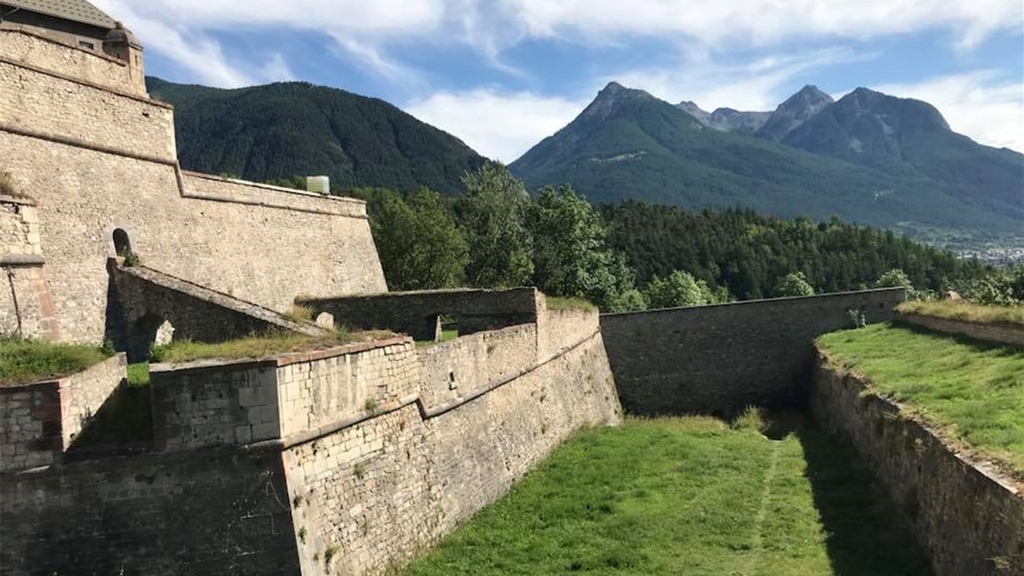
(214, 403)
(416, 313)
(722, 358)
(997, 333)
(39, 421)
(564, 328)
(381, 490)
(148, 297)
(969, 520)
(211, 512)
(454, 369)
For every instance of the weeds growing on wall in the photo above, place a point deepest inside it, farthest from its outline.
(6, 184)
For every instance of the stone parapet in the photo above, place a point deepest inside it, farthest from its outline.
(40, 420)
(968, 517)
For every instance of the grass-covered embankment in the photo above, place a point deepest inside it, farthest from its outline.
(684, 496)
(966, 311)
(971, 393)
(24, 361)
(257, 346)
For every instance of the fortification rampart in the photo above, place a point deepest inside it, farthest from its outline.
(418, 313)
(997, 333)
(40, 420)
(207, 512)
(967, 518)
(52, 104)
(31, 49)
(721, 358)
(286, 460)
(98, 160)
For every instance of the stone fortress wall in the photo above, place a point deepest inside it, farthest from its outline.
(97, 157)
(345, 460)
(725, 357)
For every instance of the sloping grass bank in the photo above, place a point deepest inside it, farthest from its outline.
(962, 310)
(971, 393)
(685, 496)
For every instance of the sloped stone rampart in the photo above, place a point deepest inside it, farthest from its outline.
(968, 518)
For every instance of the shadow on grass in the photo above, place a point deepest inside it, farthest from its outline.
(866, 535)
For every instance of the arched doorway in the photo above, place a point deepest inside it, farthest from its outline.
(122, 243)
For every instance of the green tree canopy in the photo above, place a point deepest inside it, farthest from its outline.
(679, 289)
(795, 284)
(418, 242)
(570, 254)
(492, 218)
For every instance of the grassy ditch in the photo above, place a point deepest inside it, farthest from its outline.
(685, 496)
(257, 346)
(25, 361)
(966, 311)
(971, 393)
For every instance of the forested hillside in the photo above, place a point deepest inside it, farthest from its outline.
(869, 158)
(284, 130)
(637, 255)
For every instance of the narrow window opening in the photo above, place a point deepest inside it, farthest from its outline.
(122, 244)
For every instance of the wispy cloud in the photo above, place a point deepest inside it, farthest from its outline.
(499, 125)
(985, 104)
(757, 84)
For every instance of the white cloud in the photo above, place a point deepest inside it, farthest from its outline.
(492, 26)
(984, 105)
(501, 126)
(277, 70)
(760, 22)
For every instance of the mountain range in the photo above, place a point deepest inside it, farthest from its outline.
(868, 157)
(292, 129)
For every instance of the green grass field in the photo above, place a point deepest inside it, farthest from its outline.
(684, 496)
(25, 361)
(973, 393)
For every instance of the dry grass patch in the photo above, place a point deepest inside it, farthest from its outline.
(259, 346)
(966, 311)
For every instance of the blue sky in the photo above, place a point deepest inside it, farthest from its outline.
(503, 74)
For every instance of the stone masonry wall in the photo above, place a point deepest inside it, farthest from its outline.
(30, 433)
(415, 313)
(26, 308)
(213, 403)
(997, 333)
(721, 358)
(970, 521)
(379, 491)
(563, 328)
(454, 369)
(320, 388)
(27, 48)
(53, 105)
(83, 393)
(212, 512)
(240, 249)
(39, 421)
